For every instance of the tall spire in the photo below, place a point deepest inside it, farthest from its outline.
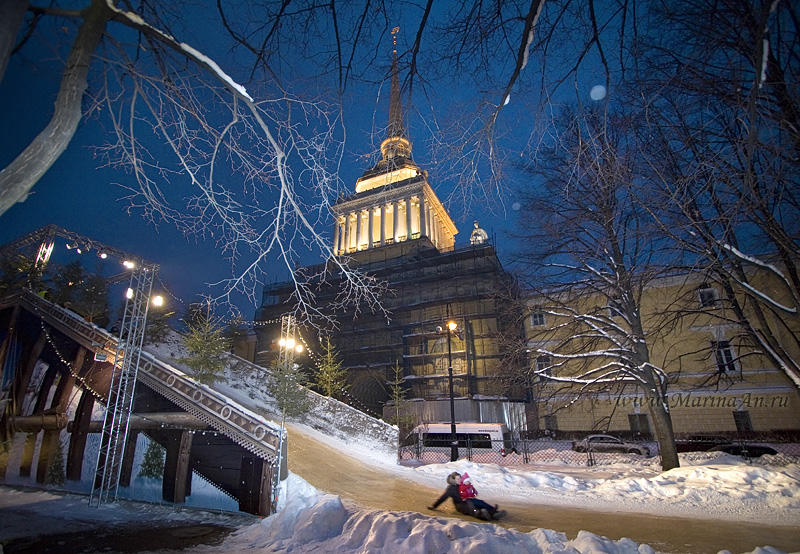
(396, 128)
(395, 164)
(396, 144)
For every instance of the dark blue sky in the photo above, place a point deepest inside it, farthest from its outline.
(80, 196)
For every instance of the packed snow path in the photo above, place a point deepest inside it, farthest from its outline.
(330, 470)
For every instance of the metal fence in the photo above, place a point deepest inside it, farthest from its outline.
(568, 452)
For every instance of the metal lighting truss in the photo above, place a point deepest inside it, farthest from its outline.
(129, 346)
(123, 384)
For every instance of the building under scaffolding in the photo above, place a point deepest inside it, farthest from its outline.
(395, 229)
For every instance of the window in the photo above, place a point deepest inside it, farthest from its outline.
(742, 419)
(543, 365)
(550, 423)
(708, 296)
(639, 424)
(538, 319)
(723, 354)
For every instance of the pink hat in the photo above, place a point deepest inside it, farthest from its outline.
(465, 477)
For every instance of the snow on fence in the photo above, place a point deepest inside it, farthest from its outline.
(562, 452)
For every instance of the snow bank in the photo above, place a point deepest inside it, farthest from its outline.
(315, 522)
(722, 488)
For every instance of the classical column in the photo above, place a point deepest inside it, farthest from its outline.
(408, 218)
(383, 224)
(370, 226)
(422, 227)
(336, 244)
(346, 233)
(358, 229)
(395, 218)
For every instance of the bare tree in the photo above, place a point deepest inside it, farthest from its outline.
(588, 251)
(204, 154)
(723, 139)
(479, 74)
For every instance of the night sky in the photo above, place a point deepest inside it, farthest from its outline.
(78, 195)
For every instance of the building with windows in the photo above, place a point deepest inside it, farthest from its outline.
(719, 382)
(395, 229)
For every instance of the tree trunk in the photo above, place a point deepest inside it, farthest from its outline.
(662, 423)
(22, 174)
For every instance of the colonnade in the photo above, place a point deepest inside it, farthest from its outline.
(397, 221)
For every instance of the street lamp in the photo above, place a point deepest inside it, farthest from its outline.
(289, 346)
(452, 327)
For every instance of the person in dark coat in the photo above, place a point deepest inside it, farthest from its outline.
(466, 507)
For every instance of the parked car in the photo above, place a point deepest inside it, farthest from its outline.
(753, 450)
(700, 443)
(607, 443)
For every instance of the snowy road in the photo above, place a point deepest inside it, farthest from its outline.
(366, 485)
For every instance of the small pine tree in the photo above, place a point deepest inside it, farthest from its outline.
(286, 387)
(207, 348)
(399, 403)
(331, 378)
(56, 474)
(153, 463)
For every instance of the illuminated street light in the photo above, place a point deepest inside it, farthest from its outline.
(452, 327)
(290, 344)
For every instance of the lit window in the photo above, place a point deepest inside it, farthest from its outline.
(723, 354)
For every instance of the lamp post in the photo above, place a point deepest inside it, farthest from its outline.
(451, 327)
(289, 346)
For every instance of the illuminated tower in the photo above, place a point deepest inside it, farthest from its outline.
(395, 229)
(394, 202)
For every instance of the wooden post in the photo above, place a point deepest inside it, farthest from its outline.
(176, 466)
(127, 461)
(26, 462)
(25, 378)
(5, 348)
(77, 439)
(255, 486)
(51, 440)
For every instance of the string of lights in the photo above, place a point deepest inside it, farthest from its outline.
(312, 351)
(69, 365)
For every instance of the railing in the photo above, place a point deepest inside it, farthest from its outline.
(246, 428)
(769, 451)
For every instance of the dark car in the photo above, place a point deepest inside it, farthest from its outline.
(607, 443)
(700, 443)
(750, 450)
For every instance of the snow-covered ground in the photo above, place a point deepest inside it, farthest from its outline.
(311, 521)
(707, 486)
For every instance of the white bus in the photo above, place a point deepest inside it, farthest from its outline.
(473, 435)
